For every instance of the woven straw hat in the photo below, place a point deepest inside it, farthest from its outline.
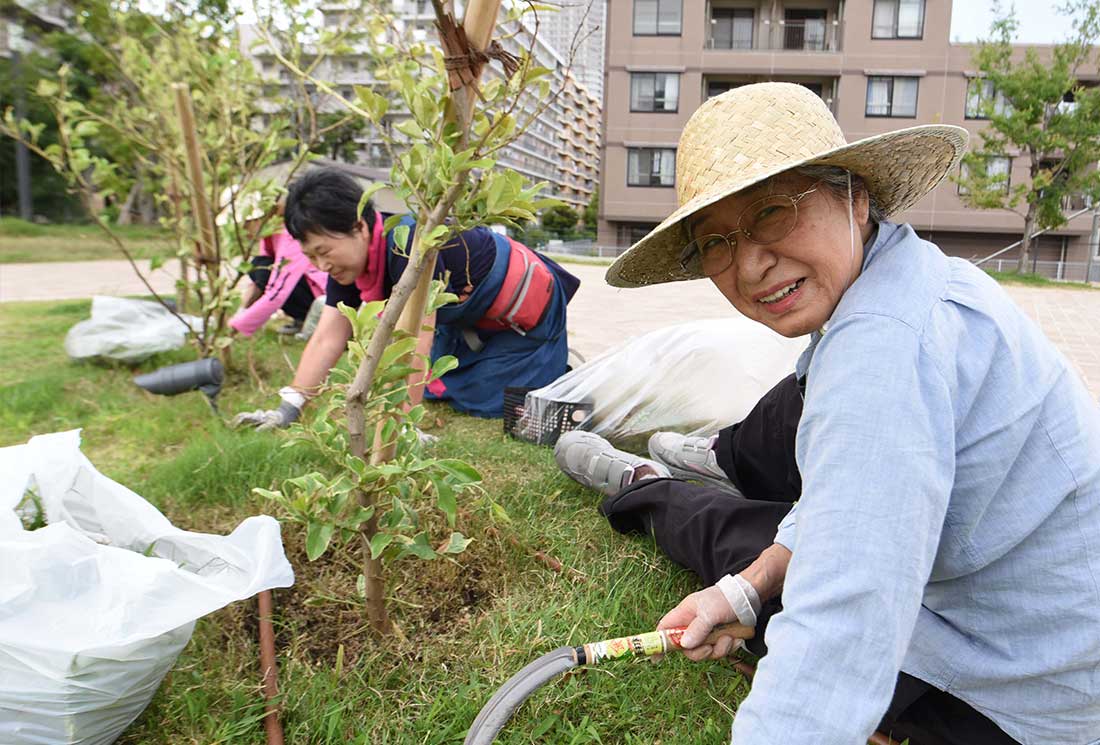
(749, 134)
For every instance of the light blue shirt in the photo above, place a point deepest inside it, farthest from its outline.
(949, 524)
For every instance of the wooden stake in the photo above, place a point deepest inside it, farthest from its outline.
(200, 206)
(272, 726)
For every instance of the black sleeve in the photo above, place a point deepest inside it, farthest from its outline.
(468, 257)
(337, 293)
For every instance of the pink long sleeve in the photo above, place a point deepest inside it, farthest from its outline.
(290, 265)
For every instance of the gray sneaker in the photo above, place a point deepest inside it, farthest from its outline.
(687, 457)
(589, 459)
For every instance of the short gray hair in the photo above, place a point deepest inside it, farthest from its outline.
(835, 181)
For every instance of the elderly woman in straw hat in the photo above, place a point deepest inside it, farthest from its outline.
(940, 573)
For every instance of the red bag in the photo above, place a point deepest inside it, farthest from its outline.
(524, 295)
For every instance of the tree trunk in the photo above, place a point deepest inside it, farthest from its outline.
(1025, 244)
(126, 211)
(374, 579)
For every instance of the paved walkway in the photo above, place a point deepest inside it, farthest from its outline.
(69, 280)
(599, 316)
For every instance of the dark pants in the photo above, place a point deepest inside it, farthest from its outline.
(301, 297)
(713, 533)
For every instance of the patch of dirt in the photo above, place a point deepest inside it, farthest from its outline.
(426, 599)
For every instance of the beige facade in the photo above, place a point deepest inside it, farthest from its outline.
(880, 65)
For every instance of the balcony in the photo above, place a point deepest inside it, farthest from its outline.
(825, 87)
(795, 30)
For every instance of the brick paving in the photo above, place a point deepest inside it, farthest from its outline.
(599, 316)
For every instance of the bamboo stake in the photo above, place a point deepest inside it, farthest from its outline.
(200, 207)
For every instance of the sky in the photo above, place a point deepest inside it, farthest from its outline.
(1039, 21)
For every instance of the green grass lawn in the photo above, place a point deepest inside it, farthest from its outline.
(463, 626)
(22, 241)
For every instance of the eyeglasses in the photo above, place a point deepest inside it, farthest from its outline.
(767, 220)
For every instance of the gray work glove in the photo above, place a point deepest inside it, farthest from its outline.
(267, 419)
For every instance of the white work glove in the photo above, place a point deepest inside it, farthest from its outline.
(425, 439)
(267, 419)
(731, 599)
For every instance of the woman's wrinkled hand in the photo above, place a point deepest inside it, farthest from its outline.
(701, 612)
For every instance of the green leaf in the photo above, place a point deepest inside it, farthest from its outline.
(86, 129)
(392, 222)
(444, 365)
(409, 128)
(379, 543)
(396, 350)
(401, 238)
(317, 539)
(46, 88)
(460, 469)
(445, 500)
(420, 547)
(457, 543)
(156, 262)
(369, 192)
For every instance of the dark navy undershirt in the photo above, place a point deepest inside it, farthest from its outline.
(468, 257)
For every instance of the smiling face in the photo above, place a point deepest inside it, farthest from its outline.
(342, 256)
(791, 286)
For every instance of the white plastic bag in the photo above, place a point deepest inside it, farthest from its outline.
(127, 330)
(694, 377)
(96, 606)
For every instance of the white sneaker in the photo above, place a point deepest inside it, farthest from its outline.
(591, 460)
(687, 457)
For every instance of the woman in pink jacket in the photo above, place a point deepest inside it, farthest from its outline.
(281, 277)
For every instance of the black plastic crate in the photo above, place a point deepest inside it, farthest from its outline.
(544, 425)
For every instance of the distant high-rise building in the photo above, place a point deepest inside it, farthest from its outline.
(578, 27)
(561, 145)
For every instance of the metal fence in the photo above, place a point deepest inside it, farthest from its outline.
(582, 248)
(1068, 271)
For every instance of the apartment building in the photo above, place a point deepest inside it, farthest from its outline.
(576, 30)
(879, 65)
(560, 146)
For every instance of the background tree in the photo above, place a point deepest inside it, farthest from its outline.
(178, 117)
(1038, 107)
(591, 214)
(340, 136)
(560, 221)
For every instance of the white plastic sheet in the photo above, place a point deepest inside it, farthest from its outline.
(127, 330)
(96, 606)
(694, 377)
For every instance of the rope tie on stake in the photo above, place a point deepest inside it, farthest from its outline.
(463, 62)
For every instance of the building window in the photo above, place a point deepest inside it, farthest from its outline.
(651, 166)
(898, 19)
(979, 94)
(731, 28)
(654, 91)
(657, 17)
(888, 96)
(718, 87)
(804, 30)
(629, 233)
(995, 166)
